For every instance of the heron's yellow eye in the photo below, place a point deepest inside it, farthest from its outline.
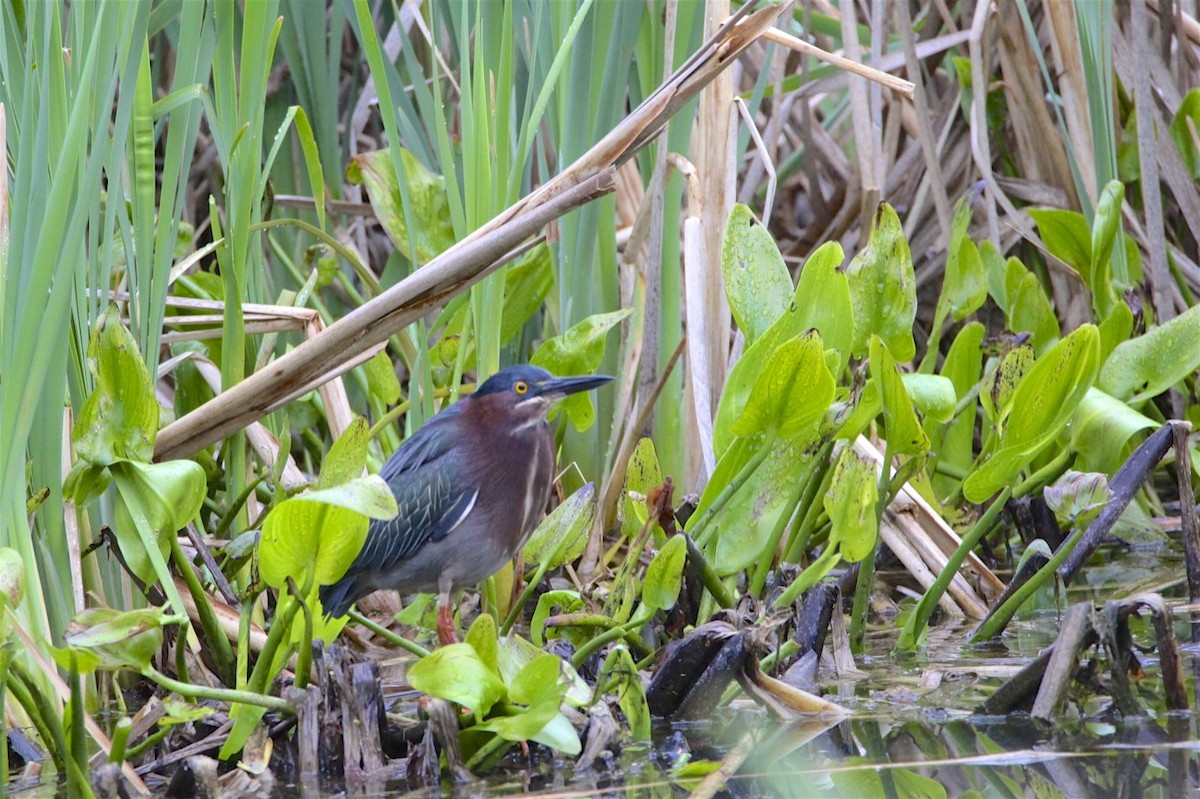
(520, 387)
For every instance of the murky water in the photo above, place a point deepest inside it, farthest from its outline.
(915, 730)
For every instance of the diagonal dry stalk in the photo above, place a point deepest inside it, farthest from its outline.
(468, 261)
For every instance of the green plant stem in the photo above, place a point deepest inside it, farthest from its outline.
(1045, 475)
(866, 569)
(229, 695)
(388, 635)
(802, 531)
(304, 653)
(729, 490)
(785, 651)
(608, 636)
(915, 625)
(364, 274)
(230, 515)
(77, 731)
(243, 653)
(492, 747)
(514, 612)
(47, 719)
(767, 558)
(218, 644)
(147, 743)
(281, 627)
(491, 606)
(120, 740)
(606, 622)
(1000, 617)
(708, 575)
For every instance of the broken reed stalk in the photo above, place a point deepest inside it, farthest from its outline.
(468, 261)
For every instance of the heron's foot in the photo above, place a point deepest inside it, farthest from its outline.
(445, 626)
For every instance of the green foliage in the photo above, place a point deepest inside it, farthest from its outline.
(1148, 365)
(513, 696)
(1087, 249)
(1041, 405)
(642, 474)
(103, 638)
(1183, 129)
(821, 302)
(883, 288)
(431, 232)
(757, 282)
(579, 351)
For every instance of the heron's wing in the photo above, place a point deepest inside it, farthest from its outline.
(432, 501)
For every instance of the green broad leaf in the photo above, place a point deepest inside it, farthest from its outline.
(527, 283)
(347, 457)
(482, 637)
(757, 282)
(579, 351)
(1042, 404)
(315, 536)
(996, 271)
(1101, 429)
(515, 653)
(119, 419)
(1146, 366)
(560, 735)
(664, 575)
(457, 674)
(642, 474)
(381, 378)
(119, 639)
(883, 288)
(964, 285)
(562, 600)
(850, 504)
(1067, 237)
(540, 677)
(791, 394)
(933, 395)
(168, 493)
(999, 384)
(415, 611)
(1077, 497)
(432, 231)
(1029, 309)
(542, 692)
(85, 483)
(84, 661)
(562, 535)
(368, 495)
(1106, 225)
(821, 302)
(1186, 120)
(740, 529)
(905, 436)
(963, 364)
(968, 289)
(1115, 329)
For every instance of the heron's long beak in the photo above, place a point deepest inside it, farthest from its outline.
(557, 387)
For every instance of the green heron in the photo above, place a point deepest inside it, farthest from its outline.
(471, 485)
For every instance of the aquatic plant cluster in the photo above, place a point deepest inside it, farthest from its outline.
(895, 358)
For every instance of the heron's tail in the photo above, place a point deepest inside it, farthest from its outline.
(337, 598)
